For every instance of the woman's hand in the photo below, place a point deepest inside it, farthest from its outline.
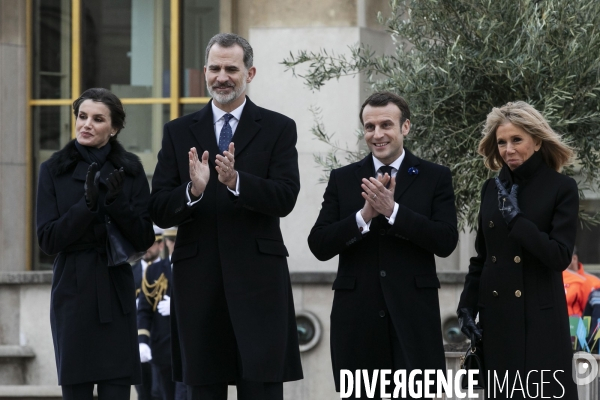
(114, 182)
(467, 324)
(90, 186)
(507, 202)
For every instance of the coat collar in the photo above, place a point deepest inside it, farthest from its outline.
(68, 158)
(523, 172)
(204, 132)
(366, 169)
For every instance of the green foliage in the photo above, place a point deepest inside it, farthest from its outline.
(457, 59)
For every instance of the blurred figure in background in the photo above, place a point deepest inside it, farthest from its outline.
(154, 323)
(153, 256)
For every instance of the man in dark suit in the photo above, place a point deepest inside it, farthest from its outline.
(385, 310)
(232, 318)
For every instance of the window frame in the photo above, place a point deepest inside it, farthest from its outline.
(175, 101)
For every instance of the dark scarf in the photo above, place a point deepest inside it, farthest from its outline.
(93, 154)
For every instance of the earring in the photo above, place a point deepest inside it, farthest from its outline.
(112, 134)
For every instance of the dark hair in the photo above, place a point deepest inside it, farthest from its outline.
(106, 97)
(229, 40)
(382, 99)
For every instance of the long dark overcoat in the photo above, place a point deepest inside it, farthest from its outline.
(92, 306)
(515, 281)
(387, 275)
(231, 284)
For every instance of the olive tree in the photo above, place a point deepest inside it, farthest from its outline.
(456, 59)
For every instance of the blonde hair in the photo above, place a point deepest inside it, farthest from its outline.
(554, 152)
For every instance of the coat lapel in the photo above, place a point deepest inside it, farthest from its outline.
(403, 178)
(80, 171)
(204, 132)
(366, 168)
(247, 128)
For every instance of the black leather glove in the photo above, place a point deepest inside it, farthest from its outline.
(90, 187)
(467, 324)
(507, 202)
(114, 182)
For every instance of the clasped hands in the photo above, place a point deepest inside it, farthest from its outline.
(200, 172)
(378, 199)
(114, 183)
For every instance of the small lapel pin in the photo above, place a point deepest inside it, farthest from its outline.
(413, 171)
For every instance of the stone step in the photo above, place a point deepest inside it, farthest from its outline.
(12, 363)
(30, 392)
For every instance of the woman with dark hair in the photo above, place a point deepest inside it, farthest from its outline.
(525, 238)
(92, 310)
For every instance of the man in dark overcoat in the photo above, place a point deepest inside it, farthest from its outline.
(385, 310)
(232, 311)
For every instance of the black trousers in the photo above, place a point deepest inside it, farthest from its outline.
(144, 390)
(106, 391)
(246, 390)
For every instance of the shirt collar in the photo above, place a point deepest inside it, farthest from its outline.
(396, 164)
(218, 113)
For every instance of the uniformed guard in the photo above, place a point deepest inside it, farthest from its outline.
(154, 322)
(152, 256)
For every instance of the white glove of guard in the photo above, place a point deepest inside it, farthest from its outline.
(164, 306)
(145, 353)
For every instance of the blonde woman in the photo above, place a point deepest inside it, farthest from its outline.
(525, 238)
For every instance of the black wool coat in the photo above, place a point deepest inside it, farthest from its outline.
(92, 306)
(154, 329)
(515, 281)
(231, 284)
(388, 275)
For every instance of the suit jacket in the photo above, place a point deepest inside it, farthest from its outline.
(149, 320)
(231, 285)
(388, 274)
(92, 306)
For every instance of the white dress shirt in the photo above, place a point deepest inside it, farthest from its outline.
(218, 122)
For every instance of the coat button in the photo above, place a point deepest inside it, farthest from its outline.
(493, 259)
(491, 224)
(518, 293)
(382, 232)
(517, 259)
(383, 274)
(495, 293)
(382, 313)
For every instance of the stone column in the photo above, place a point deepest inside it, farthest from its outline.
(13, 132)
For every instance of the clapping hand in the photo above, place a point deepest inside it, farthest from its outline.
(90, 187)
(225, 167)
(114, 182)
(199, 172)
(379, 198)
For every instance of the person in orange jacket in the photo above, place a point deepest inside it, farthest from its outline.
(575, 292)
(592, 282)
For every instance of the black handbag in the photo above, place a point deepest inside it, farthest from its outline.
(118, 249)
(473, 361)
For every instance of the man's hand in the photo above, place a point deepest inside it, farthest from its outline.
(368, 212)
(377, 196)
(164, 306)
(145, 353)
(199, 172)
(225, 167)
